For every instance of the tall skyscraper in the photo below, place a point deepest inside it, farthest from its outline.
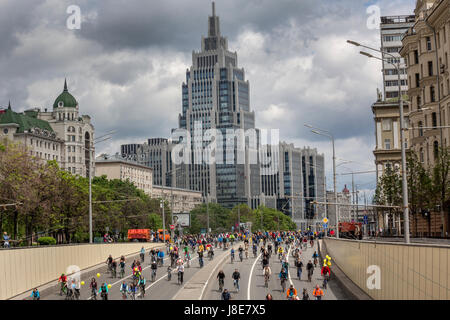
(216, 96)
(392, 29)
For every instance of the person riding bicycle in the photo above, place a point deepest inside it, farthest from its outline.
(103, 291)
(109, 261)
(255, 248)
(280, 251)
(291, 293)
(310, 269)
(63, 280)
(232, 253)
(315, 256)
(221, 277)
(180, 270)
(318, 293)
(114, 267)
(161, 257)
(141, 284)
(241, 251)
(283, 276)
(124, 289)
(93, 286)
(154, 267)
(35, 294)
(236, 276)
(267, 273)
(132, 289)
(142, 254)
(226, 295)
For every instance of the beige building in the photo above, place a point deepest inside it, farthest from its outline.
(426, 47)
(115, 168)
(387, 132)
(180, 200)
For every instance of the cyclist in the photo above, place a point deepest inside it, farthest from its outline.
(154, 267)
(76, 289)
(269, 249)
(232, 254)
(109, 261)
(265, 262)
(236, 276)
(315, 256)
(318, 293)
(142, 286)
(246, 251)
(325, 272)
(280, 252)
(161, 257)
(200, 258)
(221, 277)
(241, 251)
(267, 274)
(93, 286)
(63, 280)
(114, 268)
(124, 290)
(122, 266)
(180, 273)
(35, 294)
(310, 269)
(132, 290)
(305, 295)
(103, 291)
(291, 293)
(226, 295)
(283, 278)
(211, 252)
(299, 265)
(255, 249)
(142, 254)
(169, 273)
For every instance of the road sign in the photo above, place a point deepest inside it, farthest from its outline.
(172, 227)
(366, 220)
(325, 225)
(325, 220)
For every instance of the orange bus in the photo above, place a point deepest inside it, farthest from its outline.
(161, 235)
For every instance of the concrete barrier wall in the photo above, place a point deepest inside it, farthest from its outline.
(408, 272)
(23, 269)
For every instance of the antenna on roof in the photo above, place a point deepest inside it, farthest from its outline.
(9, 105)
(213, 9)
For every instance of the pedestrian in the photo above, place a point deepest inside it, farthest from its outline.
(299, 265)
(6, 240)
(269, 297)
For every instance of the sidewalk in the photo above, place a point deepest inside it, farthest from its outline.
(195, 287)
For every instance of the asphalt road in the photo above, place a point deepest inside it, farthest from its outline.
(251, 282)
(256, 290)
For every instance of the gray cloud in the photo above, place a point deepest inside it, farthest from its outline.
(126, 64)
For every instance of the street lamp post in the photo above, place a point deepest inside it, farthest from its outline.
(402, 130)
(329, 135)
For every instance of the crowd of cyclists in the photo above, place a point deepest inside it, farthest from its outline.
(181, 252)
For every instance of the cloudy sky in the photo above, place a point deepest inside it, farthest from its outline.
(126, 64)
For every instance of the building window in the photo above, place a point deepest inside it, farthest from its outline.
(387, 144)
(432, 94)
(428, 39)
(421, 155)
(433, 119)
(386, 124)
(416, 56)
(436, 149)
(430, 68)
(420, 129)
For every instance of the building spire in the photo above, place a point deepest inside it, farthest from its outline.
(9, 105)
(65, 85)
(213, 9)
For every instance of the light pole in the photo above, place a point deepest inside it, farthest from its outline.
(402, 142)
(171, 203)
(329, 135)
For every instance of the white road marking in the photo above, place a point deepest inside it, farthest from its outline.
(207, 281)
(250, 278)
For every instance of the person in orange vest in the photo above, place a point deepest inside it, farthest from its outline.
(318, 293)
(291, 293)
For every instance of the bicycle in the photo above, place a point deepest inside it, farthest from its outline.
(309, 275)
(221, 284)
(122, 272)
(94, 294)
(153, 275)
(142, 257)
(246, 254)
(63, 289)
(69, 295)
(114, 273)
(232, 257)
(142, 291)
(180, 278)
(169, 274)
(324, 283)
(240, 256)
(266, 280)
(76, 294)
(132, 295)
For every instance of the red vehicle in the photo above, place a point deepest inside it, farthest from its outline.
(350, 230)
(142, 235)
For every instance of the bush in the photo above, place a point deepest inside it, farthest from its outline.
(46, 241)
